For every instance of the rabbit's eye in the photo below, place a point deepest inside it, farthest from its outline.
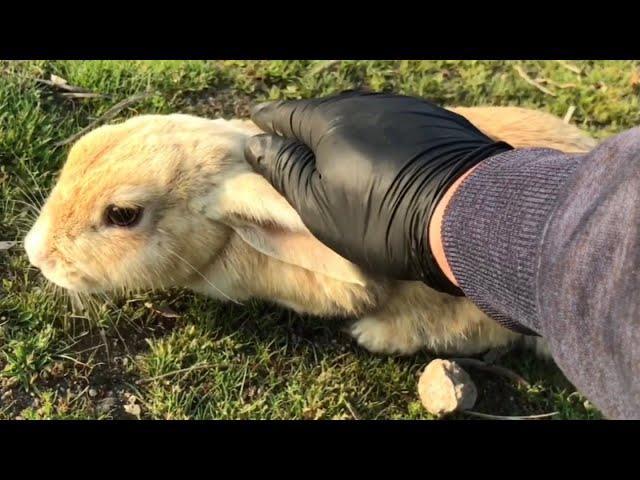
(122, 216)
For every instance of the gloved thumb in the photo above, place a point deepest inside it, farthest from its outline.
(288, 165)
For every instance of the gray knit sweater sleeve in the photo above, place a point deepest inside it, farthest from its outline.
(550, 242)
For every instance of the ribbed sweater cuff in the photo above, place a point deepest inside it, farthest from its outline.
(494, 226)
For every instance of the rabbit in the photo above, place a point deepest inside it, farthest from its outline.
(162, 201)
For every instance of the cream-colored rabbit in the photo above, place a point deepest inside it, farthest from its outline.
(160, 201)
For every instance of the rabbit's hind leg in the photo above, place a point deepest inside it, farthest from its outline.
(417, 317)
(385, 335)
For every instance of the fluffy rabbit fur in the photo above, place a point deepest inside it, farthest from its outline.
(212, 225)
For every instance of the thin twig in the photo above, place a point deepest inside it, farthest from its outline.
(569, 114)
(569, 66)
(81, 95)
(63, 86)
(503, 417)
(531, 81)
(163, 311)
(505, 372)
(108, 115)
(561, 86)
(75, 399)
(351, 410)
(77, 362)
(5, 245)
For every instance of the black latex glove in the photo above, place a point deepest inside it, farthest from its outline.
(365, 172)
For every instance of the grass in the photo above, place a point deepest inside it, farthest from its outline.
(219, 360)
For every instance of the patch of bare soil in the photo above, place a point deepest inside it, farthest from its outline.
(225, 103)
(96, 374)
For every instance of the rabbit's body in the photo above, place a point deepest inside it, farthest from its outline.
(211, 224)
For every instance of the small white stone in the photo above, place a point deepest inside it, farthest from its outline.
(444, 387)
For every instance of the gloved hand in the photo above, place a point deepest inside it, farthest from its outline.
(365, 172)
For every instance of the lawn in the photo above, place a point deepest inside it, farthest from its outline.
(176, 355)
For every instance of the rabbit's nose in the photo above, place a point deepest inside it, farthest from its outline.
(35, 246)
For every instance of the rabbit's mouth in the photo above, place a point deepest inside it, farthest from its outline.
(72, 280)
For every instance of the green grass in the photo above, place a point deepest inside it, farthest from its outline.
(219, 360)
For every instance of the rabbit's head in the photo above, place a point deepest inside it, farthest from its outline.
(153, 201)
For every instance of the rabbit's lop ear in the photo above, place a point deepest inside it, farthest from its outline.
(265, 220)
